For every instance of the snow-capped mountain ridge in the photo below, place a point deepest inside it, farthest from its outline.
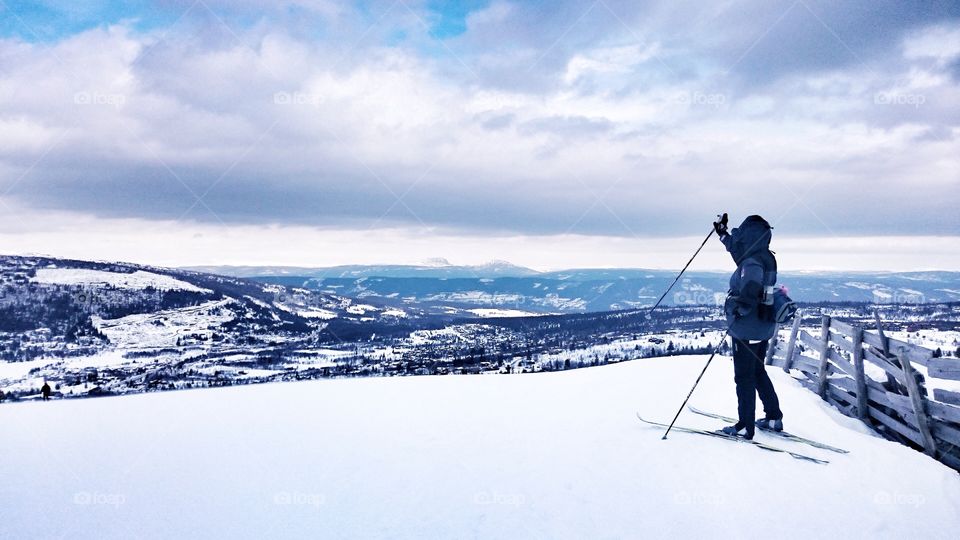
(579, 291)
(64, 307)
(431, 268)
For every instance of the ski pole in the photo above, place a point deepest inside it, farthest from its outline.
(715, 350)
(666, 292)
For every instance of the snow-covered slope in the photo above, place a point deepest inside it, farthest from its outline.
(553, 455)
(61, 308)
(138, 279)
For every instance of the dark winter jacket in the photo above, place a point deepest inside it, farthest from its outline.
(749, 245)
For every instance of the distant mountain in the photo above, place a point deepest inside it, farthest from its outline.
(505, 286)
(67, 307)
(432, 268)
(95, 328)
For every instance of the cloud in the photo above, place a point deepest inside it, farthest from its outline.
(610, 60)
(941, 43)
(620, 120)
(164, 242)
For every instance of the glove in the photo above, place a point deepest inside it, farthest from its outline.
(721, 225)
(737, 308)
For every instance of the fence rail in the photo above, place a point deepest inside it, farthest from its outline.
(880, 380)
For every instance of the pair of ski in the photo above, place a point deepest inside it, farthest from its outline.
(781, 434)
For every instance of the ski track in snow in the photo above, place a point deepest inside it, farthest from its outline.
(551, 455)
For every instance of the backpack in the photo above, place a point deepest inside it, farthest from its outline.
(780, 307)
(775, 305)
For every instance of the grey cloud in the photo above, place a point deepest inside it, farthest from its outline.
(935, 134)
(652, 200)
(955, 69)
(496, 121)
(756, 41)
(567, 126)
(201, 103)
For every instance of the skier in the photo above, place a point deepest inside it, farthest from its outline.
(751, 322)
(45, 390)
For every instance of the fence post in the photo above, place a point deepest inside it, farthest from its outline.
(860, 376)
(792, 344)
(891, 380)
(883, 335)
(773, 345)
(824, 356)
(923, 421)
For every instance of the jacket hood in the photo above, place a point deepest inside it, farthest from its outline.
(750, 238)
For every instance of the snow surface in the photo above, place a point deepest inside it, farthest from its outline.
(137, 280)
(360, 309)
(493, 312)
(17, 370)
(317, 313)
(163, 328)
(551, 455)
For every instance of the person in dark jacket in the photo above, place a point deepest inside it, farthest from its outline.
(748, 310)
(45, 390)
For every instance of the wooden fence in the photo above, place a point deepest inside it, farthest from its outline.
(880, 380)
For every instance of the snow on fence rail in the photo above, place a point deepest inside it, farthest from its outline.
(879, 380)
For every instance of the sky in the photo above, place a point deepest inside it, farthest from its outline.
(551, 134)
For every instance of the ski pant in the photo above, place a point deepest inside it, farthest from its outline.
(752, 379)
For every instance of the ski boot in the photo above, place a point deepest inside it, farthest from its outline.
(770, 424)
(736, 431)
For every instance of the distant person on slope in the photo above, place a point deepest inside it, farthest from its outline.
(749, 315)
(45, 390)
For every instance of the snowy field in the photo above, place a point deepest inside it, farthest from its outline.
(492, 312)
(136, 280)
(163, 328)
(551, 455)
